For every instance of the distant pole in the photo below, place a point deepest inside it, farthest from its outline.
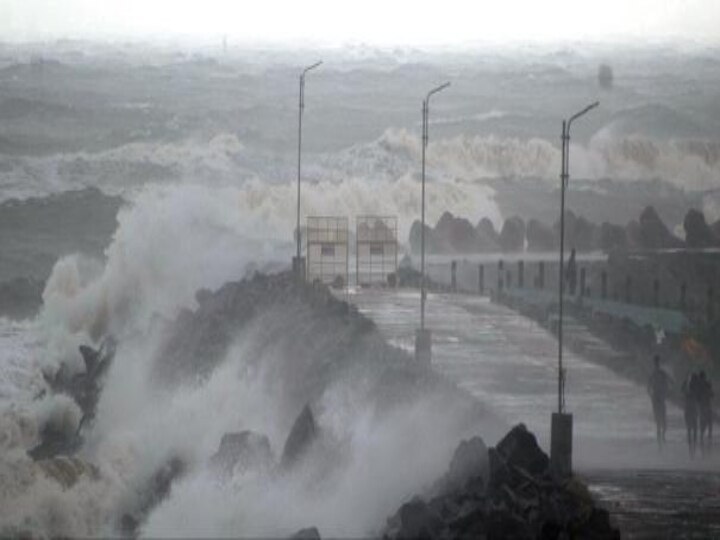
(564, 179)
(300, 115)
(561, 283)
(425, 113)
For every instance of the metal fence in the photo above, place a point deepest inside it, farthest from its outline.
(376, 249)
(327, 250)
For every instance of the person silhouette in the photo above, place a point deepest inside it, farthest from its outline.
(571, 273)
(690, 409)
(658, 385)
(705, 413)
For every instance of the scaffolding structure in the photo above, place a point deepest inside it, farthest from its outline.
(376, 249)
(327, 250)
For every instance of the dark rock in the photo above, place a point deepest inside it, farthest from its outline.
(502, 524)
(488, 237)
(67, 471)
(455, 235)
(85, 389)
(247, 450)
(650, 232)
(154, 491)
(55, 442)
(498, 469)
(415, 238)
(612, 237)
(418, 520)
(579, 232)
(521, 500)
(716, 228)
(469, 461)
(512, 236)
(309, 533)
(697, 232)
(302, 435)
(520, 449)
(540, 237)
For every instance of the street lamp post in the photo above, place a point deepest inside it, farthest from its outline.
(561, 429)
(423, 339)
(298, 261)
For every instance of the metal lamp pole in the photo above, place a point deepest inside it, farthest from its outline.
(564, 179)
(298, 263)
(425, 113)
(423, 338)
(561, 432)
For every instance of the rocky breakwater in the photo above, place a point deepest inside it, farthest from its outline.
(503, 492)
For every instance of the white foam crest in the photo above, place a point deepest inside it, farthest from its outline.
(691, 164)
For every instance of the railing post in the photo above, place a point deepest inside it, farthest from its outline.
(501, 267)
(521, 274)
(453, 276)
(481, 279)
(603, 284)
(683, 295)
(628, 290)
(656, 292)
(710, 306)
(541, 275)
(582, 282)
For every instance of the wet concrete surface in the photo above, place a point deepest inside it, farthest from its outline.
(510, 363)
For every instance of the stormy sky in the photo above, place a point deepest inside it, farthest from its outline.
(374, 22)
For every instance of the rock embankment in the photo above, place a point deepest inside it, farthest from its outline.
(503, 492)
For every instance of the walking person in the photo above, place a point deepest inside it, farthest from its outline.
(704, 397)
(571, 273)
(658, 385)
(690, 409)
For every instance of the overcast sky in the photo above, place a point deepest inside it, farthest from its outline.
(376, 22)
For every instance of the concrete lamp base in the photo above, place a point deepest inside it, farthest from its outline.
(423, 346)
(298, 268)
(561, 436)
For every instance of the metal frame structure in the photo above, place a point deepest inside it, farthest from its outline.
(376, 249)
(327, 248)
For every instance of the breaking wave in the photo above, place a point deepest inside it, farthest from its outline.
(171, 242)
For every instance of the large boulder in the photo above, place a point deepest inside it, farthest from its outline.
(417, 520)
(522, 500)
(66, 471)
(698, 233)
(579, 232)
(455, 235)
(520, 449)
(309, 533)
(244, 450)
(415, 238)
(649, 232)
(488, 238)
(302, 436)
(469, 462)
(540, 237)
(512, 236)
(152, 492)
(612, 237)
(716, 228)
